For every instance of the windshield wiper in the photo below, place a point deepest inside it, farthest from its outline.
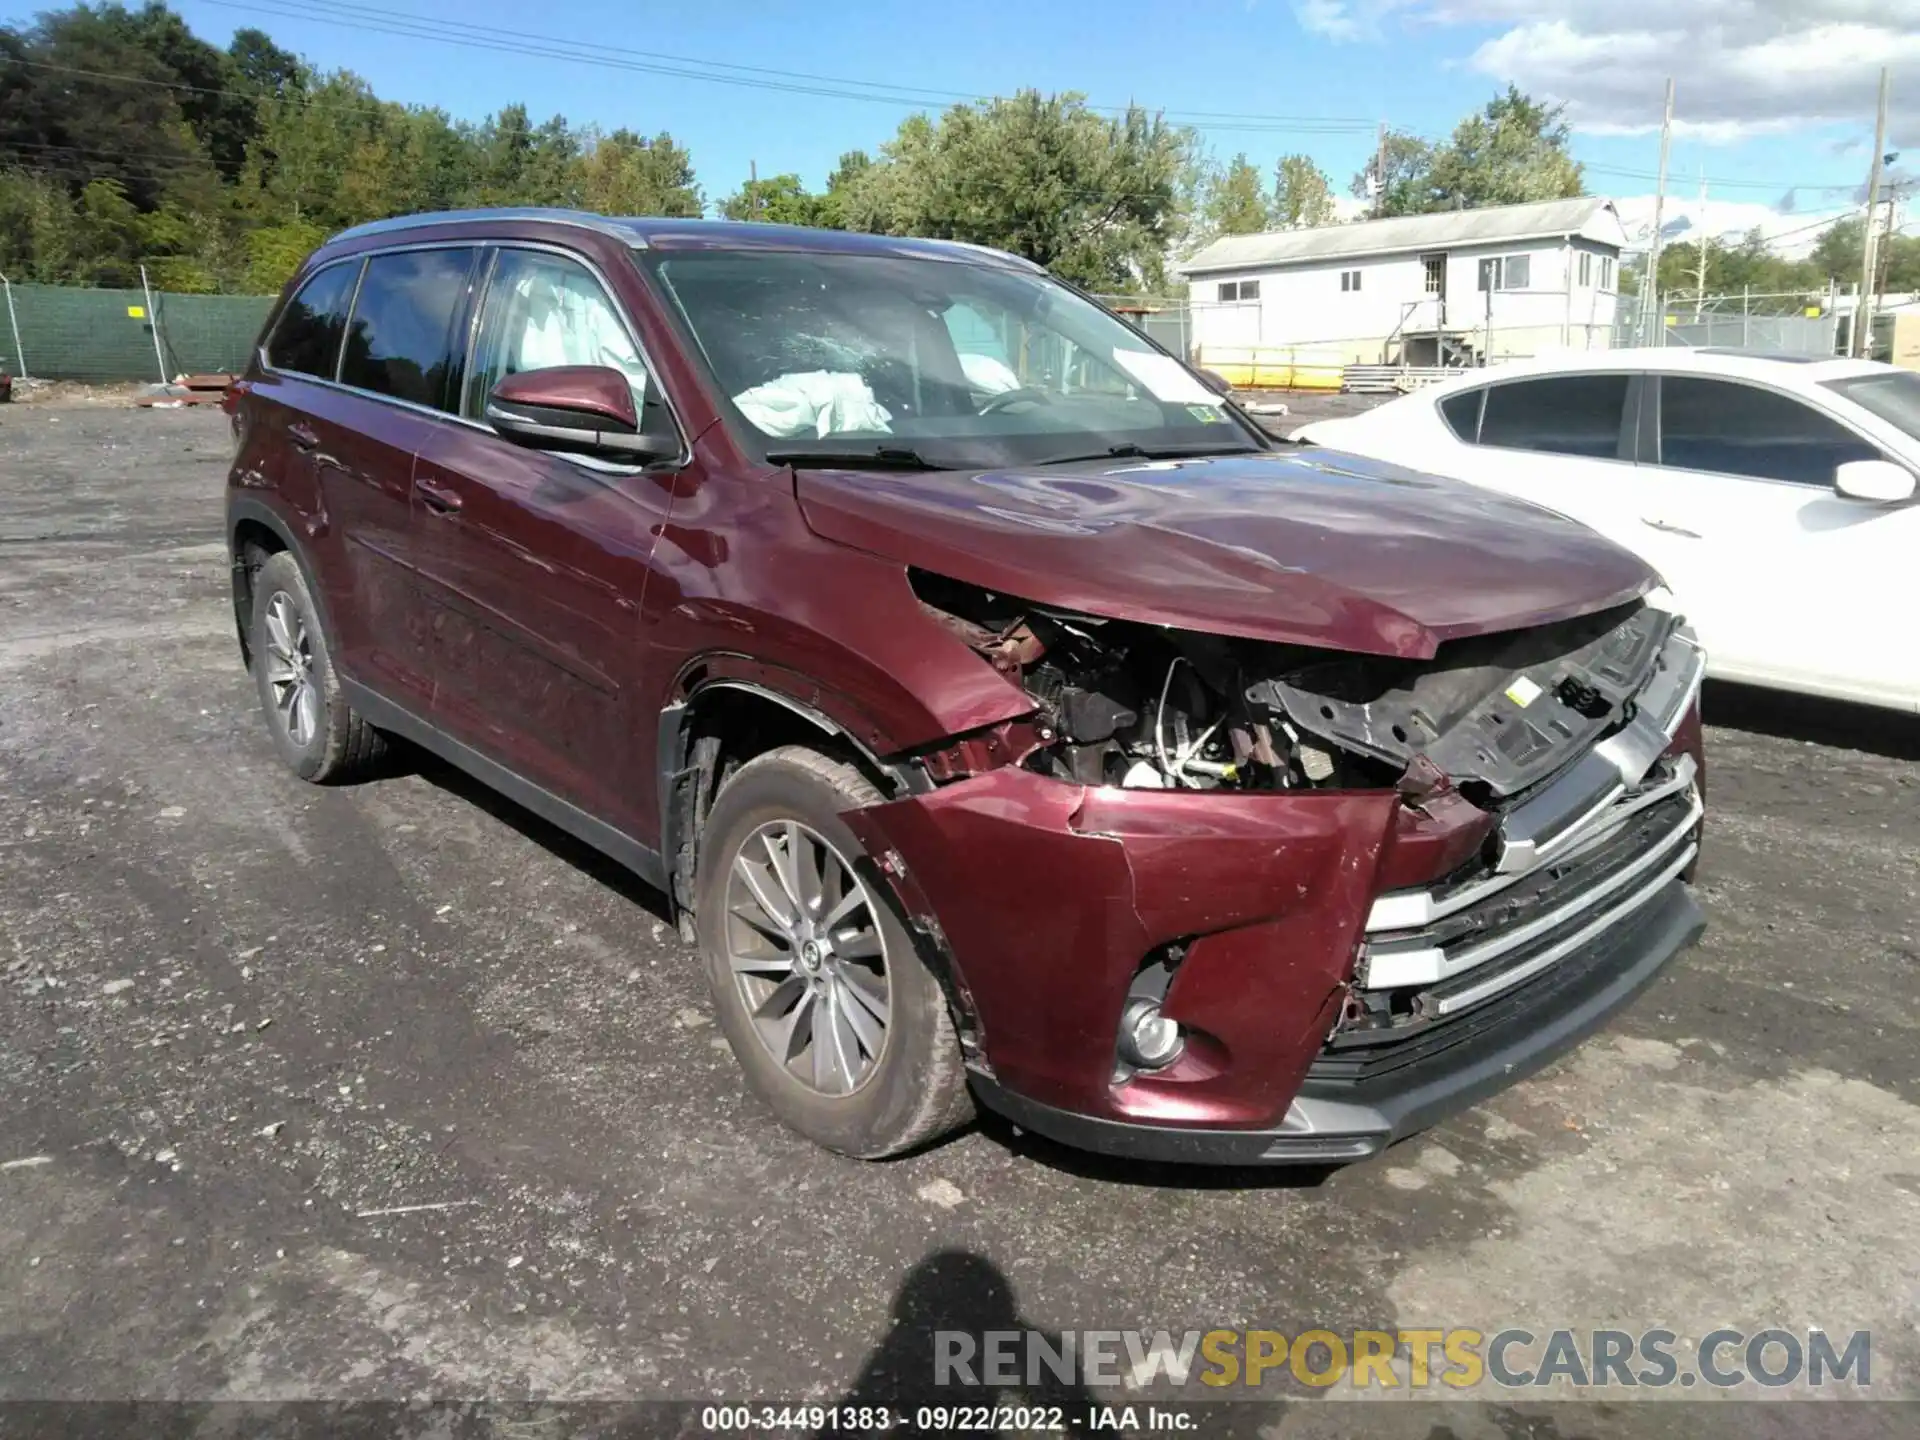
(882, 457)
(1130, 451)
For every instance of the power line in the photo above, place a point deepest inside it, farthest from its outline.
(523, 43)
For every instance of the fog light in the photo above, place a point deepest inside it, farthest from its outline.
(1148, 1039)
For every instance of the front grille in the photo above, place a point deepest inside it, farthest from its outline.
(1498, 944)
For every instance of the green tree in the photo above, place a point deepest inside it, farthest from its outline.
(1399, 179)
(1096, 200)
(627, 174)
(1234, 201)
(1302, 194)
(780, 200)
(1512, 152)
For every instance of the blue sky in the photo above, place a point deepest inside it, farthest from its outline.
(1775, 96)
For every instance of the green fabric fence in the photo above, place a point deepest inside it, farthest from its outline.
(73, 334)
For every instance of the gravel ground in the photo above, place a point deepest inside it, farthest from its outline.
(393, 1091)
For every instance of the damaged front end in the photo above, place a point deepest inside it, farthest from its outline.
(1219, 898)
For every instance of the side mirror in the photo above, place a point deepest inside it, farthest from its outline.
(1881, 481)
(579, 409)
(1215, 381)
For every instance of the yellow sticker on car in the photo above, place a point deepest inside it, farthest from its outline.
(1523, 692)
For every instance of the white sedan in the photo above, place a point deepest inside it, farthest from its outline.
(1775, 495)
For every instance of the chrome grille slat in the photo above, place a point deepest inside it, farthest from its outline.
(1459, 1000)
(1388, 969)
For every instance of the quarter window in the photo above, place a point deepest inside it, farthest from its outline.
(1557, 414)
(401, 340)
(307, 339)
(1734, 429)
(544, 310)
(1462, 414)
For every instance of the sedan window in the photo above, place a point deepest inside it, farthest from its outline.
(1462, 414)
(1557, 414)
(1734, 429)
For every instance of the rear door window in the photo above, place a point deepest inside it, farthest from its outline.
(307, 339)
(1557, 414)
(1734, 429)
(401, 340)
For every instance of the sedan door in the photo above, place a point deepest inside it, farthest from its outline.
(536, 562)
(1563, 441)
(1789, 582)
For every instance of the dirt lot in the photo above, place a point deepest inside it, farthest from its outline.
(246, 1024)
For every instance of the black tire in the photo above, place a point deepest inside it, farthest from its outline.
(331, 744)
(916, 1087)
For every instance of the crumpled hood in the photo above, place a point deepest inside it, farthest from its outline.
(1309, 547)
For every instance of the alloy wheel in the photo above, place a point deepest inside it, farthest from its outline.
(808, 957)
(290, 670)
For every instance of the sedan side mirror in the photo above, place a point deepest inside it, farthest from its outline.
(1215, 381)
(578, 409)
(1881, 481)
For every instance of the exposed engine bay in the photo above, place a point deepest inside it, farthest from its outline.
(1142, 706)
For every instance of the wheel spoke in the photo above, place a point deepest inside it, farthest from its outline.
(861, 945)
(785, 862)
(868, 990)
(760, 964)
(832, 1041)
(845, 906)
(751, 914)
(306, 713)
(850, 1007)
(765, 891)
(277, 626)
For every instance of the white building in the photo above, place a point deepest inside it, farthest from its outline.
(1459, 286)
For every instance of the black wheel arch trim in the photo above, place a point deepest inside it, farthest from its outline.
(246, 507)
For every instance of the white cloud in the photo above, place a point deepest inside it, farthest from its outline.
(1742, 67)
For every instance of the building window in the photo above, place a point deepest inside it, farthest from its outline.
(1606, 272)
(1349, 280)
(1506, 272)
(1434, 281)
(1239, 289)
(1586, 269)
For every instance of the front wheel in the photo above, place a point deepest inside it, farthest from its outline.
(829, 1008)
(317, 733)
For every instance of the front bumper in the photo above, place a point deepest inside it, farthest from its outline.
(1330, 1124)
(1344, 968)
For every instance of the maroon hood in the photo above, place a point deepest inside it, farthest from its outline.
(1309, 547)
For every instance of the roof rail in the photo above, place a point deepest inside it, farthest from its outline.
(580, 219)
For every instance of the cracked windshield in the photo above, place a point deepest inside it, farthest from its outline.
(866, 355)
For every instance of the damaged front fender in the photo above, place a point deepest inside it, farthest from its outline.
(1049, 897)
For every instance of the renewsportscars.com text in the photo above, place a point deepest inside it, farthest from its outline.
(1457, 1359)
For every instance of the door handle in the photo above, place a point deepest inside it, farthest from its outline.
(438, 497)
(1669, 527)
(303, 435)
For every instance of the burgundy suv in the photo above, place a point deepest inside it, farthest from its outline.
(1006, 717)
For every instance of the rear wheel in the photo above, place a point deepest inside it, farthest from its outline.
(838, 1022)
(316, 732)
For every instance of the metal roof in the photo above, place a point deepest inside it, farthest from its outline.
(644, 232)
(1589, 217)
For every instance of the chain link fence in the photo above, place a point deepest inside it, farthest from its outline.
(57, 332)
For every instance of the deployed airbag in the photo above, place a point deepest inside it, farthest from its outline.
(816, 402)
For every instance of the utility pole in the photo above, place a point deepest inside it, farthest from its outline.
(753, 189)
(1380, 171)
(1860, 341)
(1650, 291)
(1700, 281)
